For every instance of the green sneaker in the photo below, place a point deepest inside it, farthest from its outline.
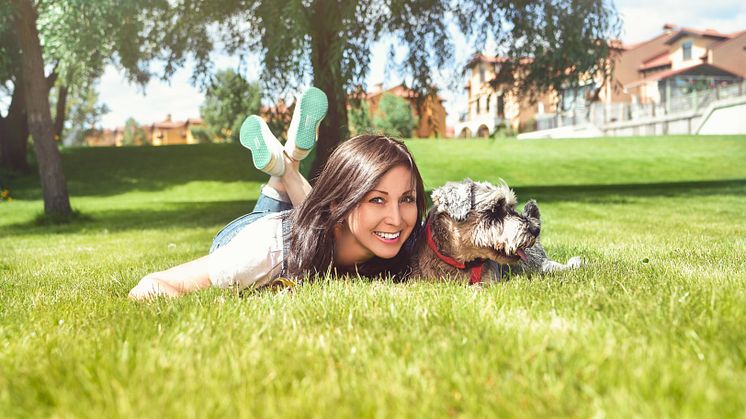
(266, 150)
(310, 109)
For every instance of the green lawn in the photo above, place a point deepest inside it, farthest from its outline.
(654, 326)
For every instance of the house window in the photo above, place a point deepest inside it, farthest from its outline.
(686, 48)
(478, 105)
(489, 98)
(481, 72)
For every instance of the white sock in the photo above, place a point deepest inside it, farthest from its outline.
(273, 193)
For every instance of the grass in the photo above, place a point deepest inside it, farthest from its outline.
(653, 327)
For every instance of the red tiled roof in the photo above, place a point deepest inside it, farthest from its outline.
(668, 73)
(707, 33)
(481, 58)
(732, 37)
(639, 44)
(169, 124)
(400, 91)
(659, 60)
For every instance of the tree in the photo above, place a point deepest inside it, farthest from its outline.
(14, 125)
(84, 112)
(327, 42)
(229, 99)
(79, 38)
(394, 116)
(54, 187)
(556, 42)
(133, 133)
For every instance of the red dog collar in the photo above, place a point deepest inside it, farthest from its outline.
(475, 272)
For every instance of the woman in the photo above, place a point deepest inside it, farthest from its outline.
(359, 218)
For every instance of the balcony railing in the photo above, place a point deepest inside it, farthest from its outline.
(600, 114)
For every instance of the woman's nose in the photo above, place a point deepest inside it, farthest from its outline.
(394, 214)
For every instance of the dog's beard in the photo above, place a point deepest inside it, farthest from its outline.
(507, 243)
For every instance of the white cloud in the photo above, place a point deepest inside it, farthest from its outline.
(158, 99)
(645, 19)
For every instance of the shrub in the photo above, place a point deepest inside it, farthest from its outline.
(394, 117)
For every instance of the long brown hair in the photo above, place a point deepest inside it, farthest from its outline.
(353, 170)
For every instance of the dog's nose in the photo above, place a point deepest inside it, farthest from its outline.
(534, 229)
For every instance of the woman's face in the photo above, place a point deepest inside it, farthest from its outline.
(381, 222)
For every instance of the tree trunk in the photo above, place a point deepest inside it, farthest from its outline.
(59, 115)
(326, 60)
(54, 187)
(14, 133)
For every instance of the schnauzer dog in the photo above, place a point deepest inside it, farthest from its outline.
(474, 231)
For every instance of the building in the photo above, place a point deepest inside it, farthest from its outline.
(102, 138)
(656, 72)
(431, 113)
(166, 132)
(490, 108)
(658, 76)
(169, 132)
(678, 62)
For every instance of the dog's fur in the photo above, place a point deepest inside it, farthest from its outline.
(474, 222)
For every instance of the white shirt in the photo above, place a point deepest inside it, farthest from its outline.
(252, 258)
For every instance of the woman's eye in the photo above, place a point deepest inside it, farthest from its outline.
(408, 199)
(376, 200)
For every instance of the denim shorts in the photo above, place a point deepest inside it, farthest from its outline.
(264, 206)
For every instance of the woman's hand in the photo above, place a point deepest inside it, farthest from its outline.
(150, 287)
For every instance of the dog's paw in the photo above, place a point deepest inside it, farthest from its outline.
(575, 262)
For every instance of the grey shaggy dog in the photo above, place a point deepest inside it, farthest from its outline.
(473, 232)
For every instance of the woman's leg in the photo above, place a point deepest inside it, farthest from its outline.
(292, 183)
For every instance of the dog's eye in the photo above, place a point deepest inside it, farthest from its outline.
(497, 213)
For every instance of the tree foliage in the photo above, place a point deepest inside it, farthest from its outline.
(394, 117)
(133, 133)
(553, 43)
(360, 120)
(83, 111)
(229, 99)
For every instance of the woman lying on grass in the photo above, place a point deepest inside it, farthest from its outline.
(359, 218)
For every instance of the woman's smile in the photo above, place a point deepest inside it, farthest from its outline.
(388, 238)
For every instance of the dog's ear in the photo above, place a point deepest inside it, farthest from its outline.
(454, 199)
(531, 210)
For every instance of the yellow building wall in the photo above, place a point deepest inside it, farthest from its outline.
(518, 112)
(171, 136)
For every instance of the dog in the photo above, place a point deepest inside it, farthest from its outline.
(474, 232)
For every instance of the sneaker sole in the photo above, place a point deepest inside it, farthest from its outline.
(313, 108)
(252, 137)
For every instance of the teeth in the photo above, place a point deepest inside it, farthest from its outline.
(388, 236)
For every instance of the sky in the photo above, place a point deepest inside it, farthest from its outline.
(643, 19)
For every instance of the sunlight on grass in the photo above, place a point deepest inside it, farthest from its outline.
(652, 326)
